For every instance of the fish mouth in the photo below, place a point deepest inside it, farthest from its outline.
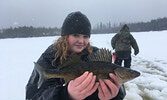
(137, 73)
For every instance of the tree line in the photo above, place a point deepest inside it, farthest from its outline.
(153, 25)
(30, 31)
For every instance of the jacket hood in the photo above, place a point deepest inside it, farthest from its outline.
(125, 28)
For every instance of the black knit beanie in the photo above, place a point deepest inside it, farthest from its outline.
(76, 23)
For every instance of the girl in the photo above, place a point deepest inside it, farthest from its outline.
(75, 35)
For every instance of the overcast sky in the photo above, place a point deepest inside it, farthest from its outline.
(51, 13)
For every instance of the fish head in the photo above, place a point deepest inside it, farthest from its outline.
(125, 74)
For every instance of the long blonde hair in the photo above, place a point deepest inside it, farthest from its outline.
(61, 46)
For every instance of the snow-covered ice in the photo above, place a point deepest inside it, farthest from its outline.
(17, 57)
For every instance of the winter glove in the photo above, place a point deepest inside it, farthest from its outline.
(136, 52)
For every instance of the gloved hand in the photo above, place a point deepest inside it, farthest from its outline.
(136, 52)
(83, 86)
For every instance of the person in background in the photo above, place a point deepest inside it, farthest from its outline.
(122, 42)
(75, 35)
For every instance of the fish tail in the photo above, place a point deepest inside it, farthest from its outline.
(41, 72)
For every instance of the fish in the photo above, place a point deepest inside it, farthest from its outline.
(99, 63)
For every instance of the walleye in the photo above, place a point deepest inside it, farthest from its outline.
(100, 63)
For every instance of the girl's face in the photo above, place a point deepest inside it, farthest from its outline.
(78, 42)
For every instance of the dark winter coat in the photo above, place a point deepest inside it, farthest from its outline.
(122, 43)
(53, 89)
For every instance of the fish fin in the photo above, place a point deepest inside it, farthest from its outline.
(102, 55)
(120, 80)
(72, 59)
(41, 72)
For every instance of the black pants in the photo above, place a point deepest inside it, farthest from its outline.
(127, 62)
